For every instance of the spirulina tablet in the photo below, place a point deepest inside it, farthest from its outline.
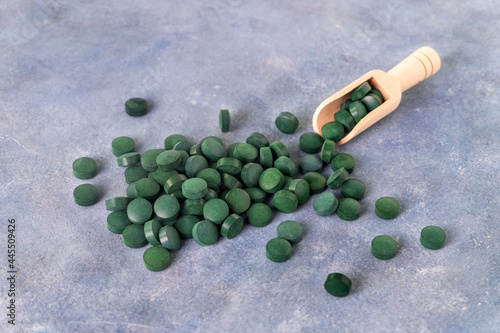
(162, 176)
(122, 145)
(357, 111)
(325, 204)
(133, 236)
(343, 160)
(286, 122)
(310, 143)
(212, 149)
(250, 174)
(216, 211)
(156, 258)
(257, 140)
(256, 194)
(139, 210)
(212, 177)
(333, 130)
(286, 166)
(238, 200)
(300, 188)
(278, 250)
(174, 183)
(232, 226)
(338, 285)
(259, 214)
(337, 178)
(310, 163)
(371, 102)
(152, 231)
(135, 172)
(194, 188)
(387, 208)
(117, 221)
(171, 140)
(147, 188)
(286, 184)
(349, 209)
(168, 160)
(195, 164)
(290, 230)
(224, 120)
(229, 165)
(231, 181)
(117, 203)
(384, 247)
(86, 194)
(432, 237)
(205, 233)
(185, 224)
(166, 208)
(317, 181)
(271, 180)
(345, 118)
(84, 168)
(353, 188)
(327, 151)
(285, 201)
(136, 107)
(128, 159)
(279, 149)
(266, 157)
(345, 104)
(195, 150)
(169, 238)
(193, 206)
(378, 93)
(148, 159)
(246, 153)
(360, 91)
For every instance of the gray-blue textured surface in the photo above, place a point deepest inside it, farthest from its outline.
(66, 68)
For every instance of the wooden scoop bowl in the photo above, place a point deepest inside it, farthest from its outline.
(418, 66)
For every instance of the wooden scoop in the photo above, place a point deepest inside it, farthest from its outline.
(417, 67)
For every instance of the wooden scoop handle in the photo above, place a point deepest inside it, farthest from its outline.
(417, 67)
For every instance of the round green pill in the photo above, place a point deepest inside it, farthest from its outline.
(224, 120)
(353, 188)
(166, 208)
(156, 258)
(279, 149)
(360, 91)
(117, 221)
(345, 118)
(290, 230)
(86, 194)
(357, 111)
(371, 102)
(231, 148)
(193, 206)
(122, 145)
(317, 181)
(168, 160)
(216, 211)
(337, 178)
(135, 172)
(285, 201)
(128, 159)
(278, 250)
(195, 164)
(136, 107)
(232, 226)
(287, 122)
(194, 188)
(174, 183)
(300, 188)
(131, 191)
(325, 204)
(343, 160)
(185, 224)
(230, 181)
(229, 165)
(162, 176)
(133, 236)
(211, 194)
(195, 150)
(338, 285)
(310, 143)
(169, 238)
(183, 146)
(250, 174)
(349, 209)
(310, 163)
(286, 184)
(271, 180)
(378, 93)
(212, 149)
(257, 140)
(387, 208)
(259, 214)
(238, 200)
(327, 151)
(117, 203)
(432, 237)
(345, 104)
(205, 233)
(148, 159)
(256, 194)
(139, 210)
(152, 231)
(266, 157)
(286, 166)
(171, 140)
(246, 153)
(212, 177)
(384, 247)
(84, 168)
(146, 188)
(333, 130)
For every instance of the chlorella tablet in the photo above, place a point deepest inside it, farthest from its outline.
(133, 236)
(360, 91)
(301, 189)
(246, 153)
(387, 208)
(139, 211)
(117, 221)
(166, 208)
(310, 163)
(229, 165)
(432, 237)
(384, 247)
(122, 145)
(327, 151)
(259, 214)
(278, 250)
(286, 166)
(238, 200)
(250, 174)
(156, 258)
(371, 102)
(266, 157)
(338, 285)
(333, 130)
(348, 209)
(357, 111)
(135, 172)
(279, 149)
(286, 122)
(212, 149)
(193, 207)
(271, 180)
(325, 204)
(317, 181)
(232, 226)
(194, 188)
(168, 160)
(117, 203)
(310, 143)
(343, 160)
(216, 211)
(257, 140)
(285, 201)
(169, 238)
(231, 182)
(224, 120)
(152, 231)
(84, 168)
(353, 188)
(290, 230)
(345, 118)
(148, 159)
(195, 164)
(337, 178)
(171, 140)
(185, 224)
(128, 159)
(146, 188)
(212, 177)
(205, 233)
(256, 194)
(136, 107)
(86, 194)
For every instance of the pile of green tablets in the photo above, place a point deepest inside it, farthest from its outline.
(361, 101)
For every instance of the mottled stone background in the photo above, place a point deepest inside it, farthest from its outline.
(67, 67)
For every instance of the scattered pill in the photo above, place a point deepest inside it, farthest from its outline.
(136, 107)
(310, 163)
(310, 143)
(216, 211)
(122, 145)
(327, 151)
(384, 247)
(224, 120)
(290, 230)
(343, 160)
(432, 237)
(317, 181)
(232, 226)
(259, 214)
(156, 258)
(86, 194)
(84, 168)
(271, 180)
(333, 130)
(117, 203)
(152, 231)
(338, 284)
(325, 204)
(300, 188)
(278, 250)
(205, 233)
(337, 178)
(139, 211)
(285, 201)
(117, 221)
(287, 122)
(169, 238)
(353, 188)
(348, 209)
(133, 236)
(387, 208)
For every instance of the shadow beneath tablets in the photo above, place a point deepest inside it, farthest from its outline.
(239, 117)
